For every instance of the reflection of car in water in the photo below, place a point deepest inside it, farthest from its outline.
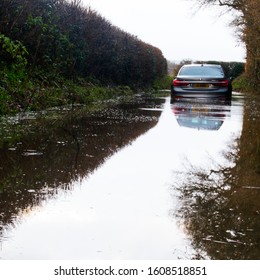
(201, 115)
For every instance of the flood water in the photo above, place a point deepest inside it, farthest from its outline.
(145, 180)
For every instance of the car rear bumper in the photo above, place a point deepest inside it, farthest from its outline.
(219, 93)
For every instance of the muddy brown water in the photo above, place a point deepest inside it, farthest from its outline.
(151, 180)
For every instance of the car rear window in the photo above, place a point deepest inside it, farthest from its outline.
(202, 71)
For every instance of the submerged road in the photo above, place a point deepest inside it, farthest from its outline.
(127, 206)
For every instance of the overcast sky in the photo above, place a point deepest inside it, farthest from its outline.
(175, 26)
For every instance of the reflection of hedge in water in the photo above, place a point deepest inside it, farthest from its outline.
(221, 207)
(249, 161)
(223, 223)
(59, 154)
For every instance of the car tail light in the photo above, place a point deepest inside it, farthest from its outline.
(223, 83)
(178, 83)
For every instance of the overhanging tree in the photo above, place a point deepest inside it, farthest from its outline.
(247, 22)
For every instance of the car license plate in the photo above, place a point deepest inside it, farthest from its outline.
(201, 85)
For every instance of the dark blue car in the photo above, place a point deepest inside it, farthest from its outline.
(201, 81)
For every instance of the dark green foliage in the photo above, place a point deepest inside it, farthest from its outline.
(72, 41)
(57, 52)
(13, 74)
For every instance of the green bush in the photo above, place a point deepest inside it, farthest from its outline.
(163, 83)
(241, 83)
(4, 101)
(13, 51)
